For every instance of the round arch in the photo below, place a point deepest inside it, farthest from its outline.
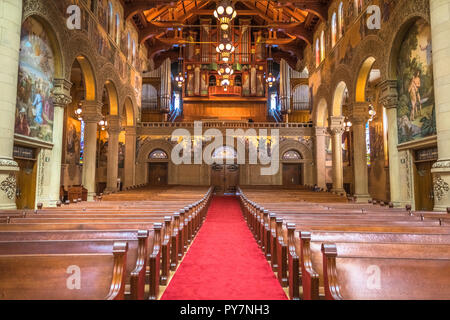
(338, 98)
(363, 76)
(306, 158)
(321, 119)
(113, 98)
(128, 113)
(88, 77)
(55, 42)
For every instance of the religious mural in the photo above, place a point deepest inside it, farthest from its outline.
(34, 109)
(73, 141)
(416, 111)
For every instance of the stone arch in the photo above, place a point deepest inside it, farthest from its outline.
(111, 88)
(127, 113)
(82, 52)
(109, 78)
(321, 101)
(338, 98)
(342, 74)
(151, 145)
(397, 40)
(45, 12)
(298, 146)
(363, 78)
(142, 159)
(129, 93)
(306, 161)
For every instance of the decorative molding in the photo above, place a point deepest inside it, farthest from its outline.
(441, 188)
(8, 163)
(9, 186)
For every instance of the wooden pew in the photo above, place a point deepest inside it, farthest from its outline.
(48, 276)
(311, 256)
(368, 271)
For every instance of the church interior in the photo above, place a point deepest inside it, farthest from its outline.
(224, 150)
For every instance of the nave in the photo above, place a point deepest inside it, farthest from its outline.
(186, 243)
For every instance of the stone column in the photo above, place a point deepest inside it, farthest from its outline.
(440, 26)
(61, 98)
(130, 156)
(113, 153)
(91, 116)
(10, 25)
(359, 118)
(389, 99)
(337, 129)
(320, 157)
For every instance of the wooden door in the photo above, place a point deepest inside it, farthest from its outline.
(225, 178)
(424, 186)
(26, 184)
(218, 178)
(158, 174)
(292, 175)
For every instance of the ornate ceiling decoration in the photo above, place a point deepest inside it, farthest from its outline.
(287, 25)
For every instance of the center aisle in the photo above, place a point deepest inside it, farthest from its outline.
(224, 262)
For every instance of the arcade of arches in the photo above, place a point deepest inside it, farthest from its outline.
(360, 111)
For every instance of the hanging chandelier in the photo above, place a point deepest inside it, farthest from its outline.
(225, 70)
(225, 12)
(79, 111)
(271, 80)
(103, 124)
(180, 78)
(225, 49)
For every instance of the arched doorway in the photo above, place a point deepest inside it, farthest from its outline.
(292, 169)
(225, 171)
(158, 168)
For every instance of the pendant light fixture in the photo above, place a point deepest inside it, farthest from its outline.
(225, 12)
(270, 78)
(180, 78)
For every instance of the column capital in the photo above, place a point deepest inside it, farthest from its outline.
(320, 131)
(359, 112)
(336, 125)
(61, 93)
(113, 124)
(130, 131)
(388, 94)
(92, 111)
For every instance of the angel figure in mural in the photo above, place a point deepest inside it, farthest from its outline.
(414, 95)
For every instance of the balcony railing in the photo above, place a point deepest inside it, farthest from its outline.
(226, 124)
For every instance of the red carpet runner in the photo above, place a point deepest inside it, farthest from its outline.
(224, 262)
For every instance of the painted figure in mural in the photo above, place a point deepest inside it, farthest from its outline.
(22, 126)
(38, 105)
(414, 95)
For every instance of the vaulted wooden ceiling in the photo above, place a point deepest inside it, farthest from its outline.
(294, 21)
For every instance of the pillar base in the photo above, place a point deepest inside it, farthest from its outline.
(362, 198)
(441, 185)
(8, 184)
(340, 192)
